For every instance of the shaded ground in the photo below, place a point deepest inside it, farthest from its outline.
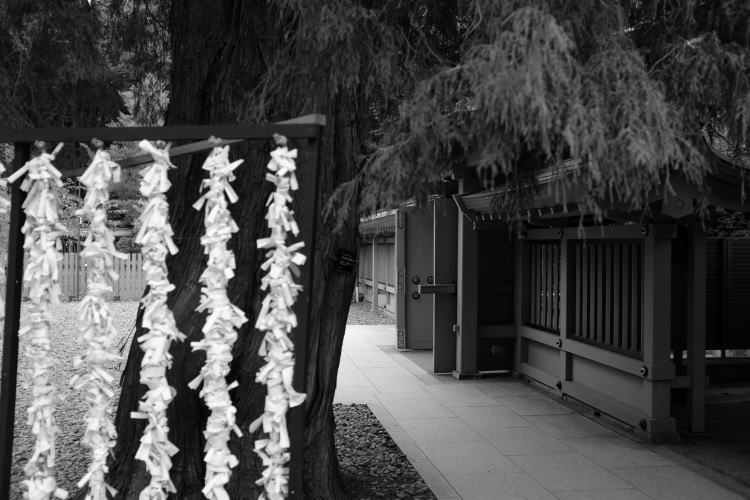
(725, 447)
(372, 465)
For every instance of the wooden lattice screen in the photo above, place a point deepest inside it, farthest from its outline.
(727, 293)
(544, 286)
(607, 303)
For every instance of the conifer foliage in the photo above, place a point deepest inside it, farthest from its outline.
(633, 89)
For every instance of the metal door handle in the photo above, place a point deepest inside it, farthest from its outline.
(449, 288)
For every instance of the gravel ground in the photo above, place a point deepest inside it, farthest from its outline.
(372, 464)
(71, 456)
(360, 313)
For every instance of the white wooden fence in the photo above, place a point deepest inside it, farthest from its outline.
(129, 286)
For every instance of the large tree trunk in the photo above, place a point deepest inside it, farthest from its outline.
(219, 51)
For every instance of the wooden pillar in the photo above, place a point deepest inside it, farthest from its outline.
(444, 261)
(374, 272)
(566, 358)
(520, 297)
(400, 251)
(467, 288)
(696, 327)
(657, 370)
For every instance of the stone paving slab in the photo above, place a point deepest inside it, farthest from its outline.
(500, 439)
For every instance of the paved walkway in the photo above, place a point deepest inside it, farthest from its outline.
(499, 439)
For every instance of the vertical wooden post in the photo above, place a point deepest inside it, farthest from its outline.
(520, 296)
(467, 288)
(12, 322)
(565, 357)
(356, 279)
(657, 380)
(375, 273)
(400, 250)
(308, 228)
(696, 327)
(444, 259)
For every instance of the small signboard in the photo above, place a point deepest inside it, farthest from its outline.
(345, 261)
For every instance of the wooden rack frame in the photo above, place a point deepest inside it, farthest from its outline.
(307, 128)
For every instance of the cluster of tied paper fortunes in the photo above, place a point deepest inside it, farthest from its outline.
(276, 319)
(42, 230)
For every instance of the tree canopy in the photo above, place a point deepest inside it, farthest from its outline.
(632, 89)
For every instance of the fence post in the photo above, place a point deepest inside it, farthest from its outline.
(375, 273)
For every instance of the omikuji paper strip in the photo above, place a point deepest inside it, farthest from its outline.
(97, 325)
(277, 320)
(42, 230)
(155, 238)
(222, 323)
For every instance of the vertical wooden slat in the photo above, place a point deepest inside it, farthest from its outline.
(532, 282)
(116, 284)
(547, 285)
(83, 281)
(134, 275)
(125, 279)
(585, 292)
(592, 293)
(142, 279)
(608, 249)
(599, 333)
(632, 297)
(543, 283)
(562, 284)
(579, 300)
(637, 298)
(537, 283)
(133, 266)
(542, 277)
(66, 273)
(134, 269)
(126, 267)
(626, 284)
(631, 291)
(63, 277)
(556, 287)
(553, 287)
(617, 296)
(536, 263)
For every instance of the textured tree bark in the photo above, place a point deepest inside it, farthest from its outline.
(219, 49)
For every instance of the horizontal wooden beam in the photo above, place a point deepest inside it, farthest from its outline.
(167, 133)
(627, 231)
(304, 127)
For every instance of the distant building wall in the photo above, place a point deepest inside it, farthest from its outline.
(385, 264)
